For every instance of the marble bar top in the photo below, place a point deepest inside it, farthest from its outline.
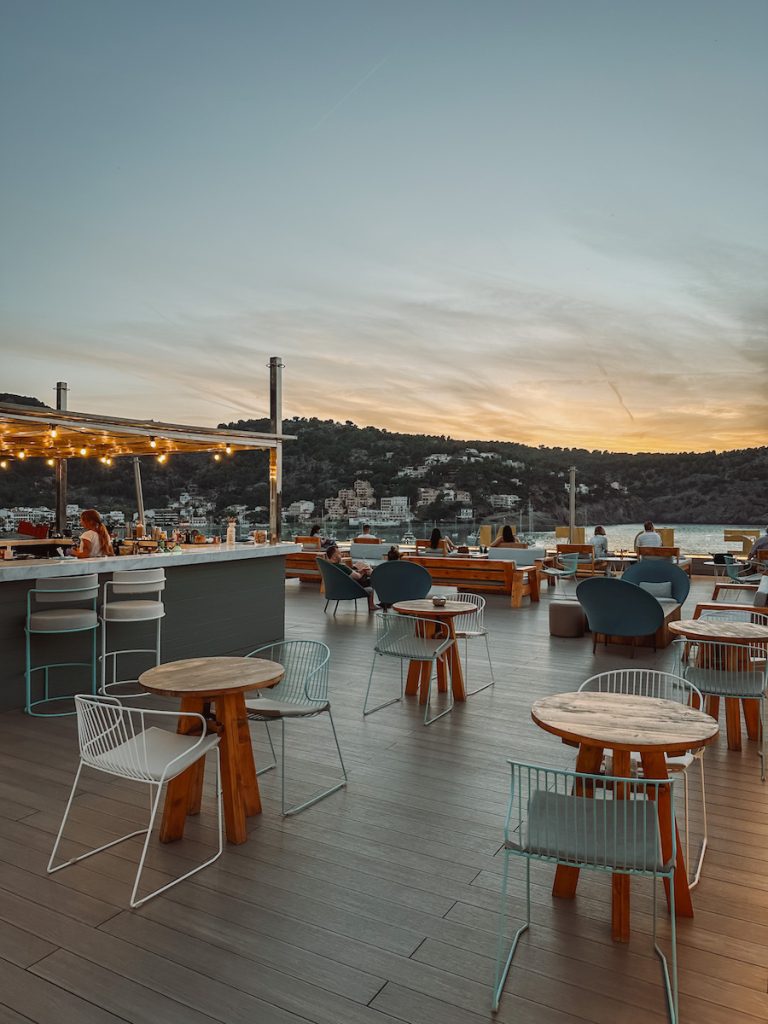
(190, 554)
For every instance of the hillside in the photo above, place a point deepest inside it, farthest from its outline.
(613, 487)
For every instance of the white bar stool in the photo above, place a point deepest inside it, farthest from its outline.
(132, 585)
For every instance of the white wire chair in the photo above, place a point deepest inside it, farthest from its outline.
(302, 693)
(409, 638)
(566, 569)
(130, 584)
(746, 613)
(548, 819)
(471, 626)
(645, 682)
(116, 740)
(729, 671)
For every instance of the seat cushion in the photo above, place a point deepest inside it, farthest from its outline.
(283, 709)
(133, 611)
(61, 619)
(580, 830)
(659, 590)
(149, 753)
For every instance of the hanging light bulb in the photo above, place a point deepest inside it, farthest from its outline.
(228, 449)
(162, 457)
(54, 432)
(3, 463)
(83, 451)
(109, 461)
(152, 442)
(50, 462)
(22, 454)
(217, 457)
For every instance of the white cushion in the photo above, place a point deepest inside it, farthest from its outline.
(368, 552)
(149, 753)
(659, 590)
(283, 709)
(133, 611)
(61, 619)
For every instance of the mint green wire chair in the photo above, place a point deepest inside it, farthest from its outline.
(405, 637)
(734, 573)
(547, 820)
(729, 671)
(566, 570)
(46, 617)
(302, 693)
(647, 682)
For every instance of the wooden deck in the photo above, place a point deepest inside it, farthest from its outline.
(379, 904)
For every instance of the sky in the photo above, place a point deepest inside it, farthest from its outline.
(539, 221)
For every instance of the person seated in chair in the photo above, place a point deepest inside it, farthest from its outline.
(648, 538)
(367, 535)
(600, 543)
(761, 544)
(437, 541)
(359, 571)
(506, 538)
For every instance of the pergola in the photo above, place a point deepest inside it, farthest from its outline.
(56, 435)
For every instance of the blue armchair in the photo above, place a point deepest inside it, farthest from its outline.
(618, 608)
(657, 570)
(400, 581)
(338, 586)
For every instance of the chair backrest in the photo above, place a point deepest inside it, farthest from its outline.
(585, 552)
(521, 556)
(422, 547)
(671, 554)
(367, 538)
(748, 613)
(308, 543)
(365, 551)
(644, 682)
(667, 534)
(550, 817)
(735, 570)
(618, 608)
(306, 664)
(110, 736)
(744, 537)
(569, 562)
(472, 620)
(654, 570)
(66, 589)
(404, 636)
(338, 586)
(138, 581)
(723, 669)
(400, 581)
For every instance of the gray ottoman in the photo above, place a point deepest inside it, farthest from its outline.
(566, 618)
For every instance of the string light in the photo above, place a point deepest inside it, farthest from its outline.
(152, 442)
(162, 458)
(228, 449)
(22, 455)
(3, 463)
(50, 462)
(83, 451)
(109, 461)
(54, 432)
(217, 457)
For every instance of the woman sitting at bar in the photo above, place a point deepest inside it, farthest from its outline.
(94, 541)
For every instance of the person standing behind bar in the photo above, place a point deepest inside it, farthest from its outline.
(94, 541)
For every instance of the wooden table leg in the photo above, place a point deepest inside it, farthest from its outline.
(713, 707)
(655, 767)
(180, 793)
(442, 673)
(249, 783)
(566, 880)
(752, 718)
(733, 722)
(413, 678)
(533, 582)
(457, 671)
(425, 678)
(620, 897)
(229, 744)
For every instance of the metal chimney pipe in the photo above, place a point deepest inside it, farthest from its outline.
(61, 466)
(276, 453)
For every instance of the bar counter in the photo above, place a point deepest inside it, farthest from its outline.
(219, 599)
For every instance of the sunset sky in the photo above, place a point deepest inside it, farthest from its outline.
(533, 221)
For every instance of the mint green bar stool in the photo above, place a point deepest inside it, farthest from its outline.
(47, 617)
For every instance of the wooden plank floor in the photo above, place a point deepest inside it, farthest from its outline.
(380, 903)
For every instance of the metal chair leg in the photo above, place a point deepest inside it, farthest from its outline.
(485, 686)
(269, 767)
(386, 703)
(288, 811)
(502, 970)
(447, 711)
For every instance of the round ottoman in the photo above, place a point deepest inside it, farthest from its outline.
(566, 618)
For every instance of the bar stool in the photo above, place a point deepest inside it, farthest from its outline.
(55, 621)
(132, 583)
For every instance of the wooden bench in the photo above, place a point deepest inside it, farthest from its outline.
(302, 565)
(480, 574)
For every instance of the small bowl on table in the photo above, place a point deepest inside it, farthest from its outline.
(439, 602)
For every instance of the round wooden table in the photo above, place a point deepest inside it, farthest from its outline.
(742, 634)
(450, 663)
(201, 682)
(622, 724)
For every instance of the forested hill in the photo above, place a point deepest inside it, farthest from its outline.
(731, 487)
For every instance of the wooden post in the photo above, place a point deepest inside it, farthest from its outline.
(572, 506)
(61, 467)
(276, 453)
(139, 491)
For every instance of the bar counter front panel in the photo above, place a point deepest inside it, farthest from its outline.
(219, 600)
